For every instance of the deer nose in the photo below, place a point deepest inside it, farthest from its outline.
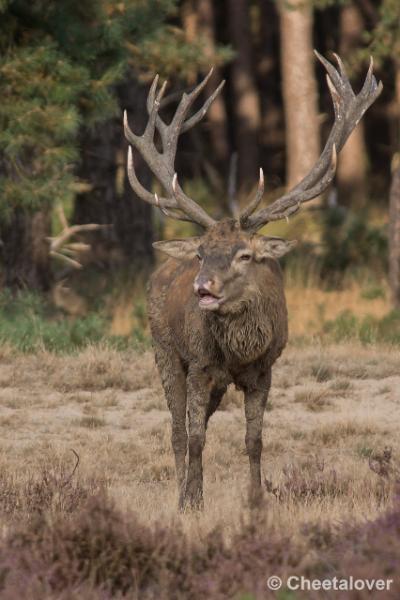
(203, 283)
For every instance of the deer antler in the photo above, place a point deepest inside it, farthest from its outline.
(69, 252)
(177, 204)
(349, 108)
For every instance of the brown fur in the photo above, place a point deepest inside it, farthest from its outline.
(200, 352)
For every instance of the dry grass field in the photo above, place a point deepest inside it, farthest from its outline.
(333, 411)
(329, 409)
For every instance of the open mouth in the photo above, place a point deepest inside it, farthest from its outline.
(208, 300)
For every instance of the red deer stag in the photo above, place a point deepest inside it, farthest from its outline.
(217, 308)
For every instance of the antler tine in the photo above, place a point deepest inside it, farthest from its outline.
(146, 148)
(371, 88)
(255, 202)
(162, 163)
(152, 93)
(177, 123)
(151, 97)
(202, 111)
(335, 97)
(140, 191)
(342, 68)
(193, 120)
(150, 127)
(173, 214)
(342, 98)
(339, 78)
(285, 208)
(348, 108)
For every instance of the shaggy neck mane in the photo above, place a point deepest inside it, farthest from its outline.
(245, 335)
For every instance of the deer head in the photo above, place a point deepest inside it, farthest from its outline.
(229, 251)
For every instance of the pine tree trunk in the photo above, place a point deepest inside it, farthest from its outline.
(394, 213)
(216, 115)
(394, 234)
(246, 102)
(272, 138)
(25, 251)
(299, 89)
(352, 166)
(111, 199)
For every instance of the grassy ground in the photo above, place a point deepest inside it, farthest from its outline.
(332, 412)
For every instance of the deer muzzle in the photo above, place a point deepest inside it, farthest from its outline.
(209, 298)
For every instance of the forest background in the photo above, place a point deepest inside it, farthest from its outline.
(67, 72)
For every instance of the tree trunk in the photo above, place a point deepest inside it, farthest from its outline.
(394, 234)
(352, 166)
(299, 89)
(216, 115)
(394, 212)
(111, 199)
(272, 138)
(25, 251)
(246, 102)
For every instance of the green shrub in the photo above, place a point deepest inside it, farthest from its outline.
(351, 241)
(30, 324)
(372, 292)
(367, 330)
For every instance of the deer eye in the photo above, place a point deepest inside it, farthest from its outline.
(245, 257)
(199, 257)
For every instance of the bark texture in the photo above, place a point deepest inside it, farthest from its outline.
(299, 89)
(216, 116)
(272, 127)
(352, 166)
(394, 234)
(246, 102)
(394, 208)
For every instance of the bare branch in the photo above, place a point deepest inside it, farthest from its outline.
(69, 479)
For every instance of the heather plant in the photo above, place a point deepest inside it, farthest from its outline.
(119, 555)
(306, 481)
(53, 489)
(104, 553)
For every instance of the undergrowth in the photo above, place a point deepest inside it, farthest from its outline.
(72, 542)
(29, 323)
(367, 330)
(116, 314)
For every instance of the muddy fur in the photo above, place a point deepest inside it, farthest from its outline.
(199, 352)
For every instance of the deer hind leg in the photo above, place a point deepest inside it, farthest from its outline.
(255, 402)
(174, 383)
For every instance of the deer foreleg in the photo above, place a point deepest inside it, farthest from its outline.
(198, 395)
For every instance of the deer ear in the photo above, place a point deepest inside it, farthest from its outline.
(179, 249)
(272, 247)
